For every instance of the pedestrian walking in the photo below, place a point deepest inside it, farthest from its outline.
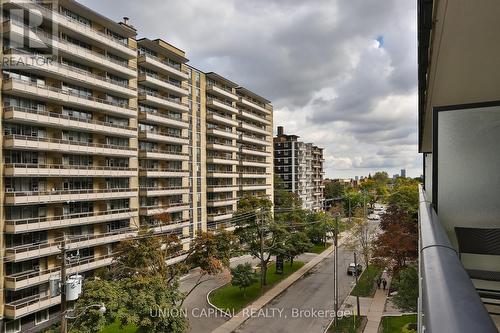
(379, 281)
(384, 283)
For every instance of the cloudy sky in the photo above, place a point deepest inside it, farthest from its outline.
(340, 73)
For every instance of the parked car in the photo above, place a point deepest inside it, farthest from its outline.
(373, 217)
(351, 269)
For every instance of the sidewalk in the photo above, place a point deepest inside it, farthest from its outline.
(236, 321)
(376, 310)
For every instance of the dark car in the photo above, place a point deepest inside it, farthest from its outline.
(352, 270)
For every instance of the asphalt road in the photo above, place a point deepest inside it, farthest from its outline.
(201, 316)
(292, 311)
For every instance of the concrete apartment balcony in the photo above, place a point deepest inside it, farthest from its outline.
(255, 187)
(252, 163)
(254, 116)
(221, 188)
(221, 92)
(169, 227)
(62, 221)
(158, 154)
(222, 133)
(163, 191)
(170, 208)
(163, 137)
(69, 50)
(37, 64)
(259, 175)
(218, 119)
(57, 120)
(86, 33)
(26, 306)
(254, 129)
(50, 94)
(222, 160)
(221, 174)
(220, 105)
(47, 144)
(254, 140)
(64, 170)
(26, 252)
(36, 277)
(222, 202)
(219, 217)
(163, 102)
(253, 105)
(163, 173)
(222, 147)
(254, 152)
(39, 197)
(162, 119)
(152, 62)
(162, 84)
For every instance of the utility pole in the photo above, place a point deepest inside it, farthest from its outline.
(356, 273)
(349, 200)
(64, 320)
(336, 271)
(262, 263)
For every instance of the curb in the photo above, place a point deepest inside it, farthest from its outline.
(226, 314)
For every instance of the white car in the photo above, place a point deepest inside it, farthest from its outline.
(373, 217)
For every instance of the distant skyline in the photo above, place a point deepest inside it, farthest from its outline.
(341, 74)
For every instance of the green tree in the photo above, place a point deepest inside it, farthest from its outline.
(318, 225)
(243, 276)
(258, 232)
(334, 189)
(97, 291)
(407, 289)
(296, 244)
(405, 195)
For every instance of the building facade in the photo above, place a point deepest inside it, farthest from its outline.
(102, 134)
(299, 165)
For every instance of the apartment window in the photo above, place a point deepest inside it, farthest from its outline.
(76, 17)
(77, 114)
(41, 316)
(13, 326)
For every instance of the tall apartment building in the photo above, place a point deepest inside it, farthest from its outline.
(103, 133)
(300, 167)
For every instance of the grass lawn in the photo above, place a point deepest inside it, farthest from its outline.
(349, 325)
(231, 298)
(366, 283)
(115, 328)
(318, 248)
(395, 324)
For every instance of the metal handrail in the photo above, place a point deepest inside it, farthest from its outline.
(209, 99)
(162, 133)
(157, 188)
(449, 301)
(157, 77)
(66, 92)
(68, 216)
(63, 116)
(77, 143)
(163, 170)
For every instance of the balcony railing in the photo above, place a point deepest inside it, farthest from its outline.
(448, 300)
(169, 64)
(62, 116)
(63, 192)
(81, 25)
(69, 93)
(67, 142)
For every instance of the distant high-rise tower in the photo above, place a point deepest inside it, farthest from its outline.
(403, 173)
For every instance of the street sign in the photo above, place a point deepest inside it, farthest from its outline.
(279, 264)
